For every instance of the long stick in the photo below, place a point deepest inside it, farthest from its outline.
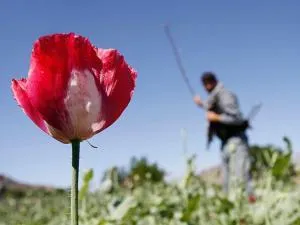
(178, 59)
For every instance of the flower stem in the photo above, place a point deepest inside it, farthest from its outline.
(74, 188)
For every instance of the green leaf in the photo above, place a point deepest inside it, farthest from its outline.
(192, 206)
(88, 176)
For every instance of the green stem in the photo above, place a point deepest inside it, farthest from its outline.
(74, 188)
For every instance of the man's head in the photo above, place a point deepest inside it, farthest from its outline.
(209, 81)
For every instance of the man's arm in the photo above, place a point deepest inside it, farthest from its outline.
(229, 105)
(230, 108)
(203, 104)
(198, 101)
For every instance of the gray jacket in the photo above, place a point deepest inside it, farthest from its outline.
(227, 105)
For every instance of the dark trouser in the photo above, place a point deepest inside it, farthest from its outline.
(236, 158)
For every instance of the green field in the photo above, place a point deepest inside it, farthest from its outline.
(188, 201)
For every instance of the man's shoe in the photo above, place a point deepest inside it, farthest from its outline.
(251, 199)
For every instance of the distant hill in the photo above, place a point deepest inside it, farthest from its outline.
(212, 175)
(11, 185)
(296, 159)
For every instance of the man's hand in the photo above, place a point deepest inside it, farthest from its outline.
(212, 116)
(198, 100)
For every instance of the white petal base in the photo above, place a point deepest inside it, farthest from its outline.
(83, 104)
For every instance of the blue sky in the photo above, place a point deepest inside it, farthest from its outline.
(253, 46)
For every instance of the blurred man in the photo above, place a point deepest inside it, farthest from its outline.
(227, 123)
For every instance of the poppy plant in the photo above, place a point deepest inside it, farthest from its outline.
(74, 90)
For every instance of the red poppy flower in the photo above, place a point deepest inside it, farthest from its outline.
(74, 90)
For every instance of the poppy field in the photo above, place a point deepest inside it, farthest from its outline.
(187, 201)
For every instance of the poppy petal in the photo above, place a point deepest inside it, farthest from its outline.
(54, 61)
(117, 80)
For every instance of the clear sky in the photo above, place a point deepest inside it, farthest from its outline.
(253, 46)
